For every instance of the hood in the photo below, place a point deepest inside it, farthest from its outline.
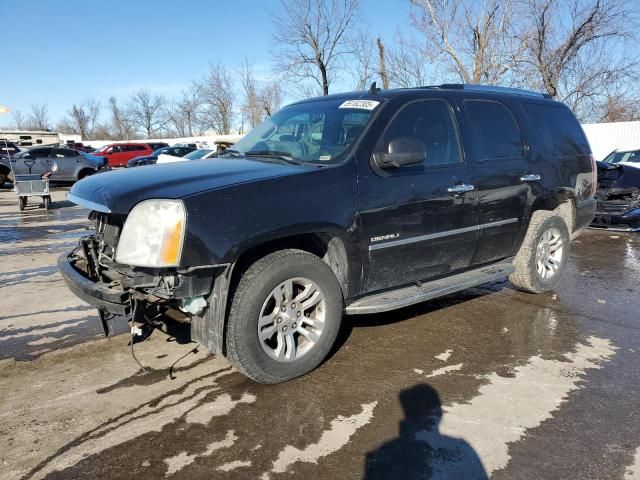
(119, 190)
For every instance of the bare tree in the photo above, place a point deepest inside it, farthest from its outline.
(569, 50)
(184, 115)
(270, 96)
(363, 66)
(618, 108)
(39, 117)
(146, 112)
(382, 64)
(252, 106)
(473, 38)
(406, 65)
(121, 127)
(217, 95)
(313, 38)
(19, 120)
(83, 117)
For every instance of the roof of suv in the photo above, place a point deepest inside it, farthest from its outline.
(471, 90)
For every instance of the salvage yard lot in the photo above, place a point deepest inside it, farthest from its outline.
(489, 382)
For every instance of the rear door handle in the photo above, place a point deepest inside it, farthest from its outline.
(530, 177)
(462, 188)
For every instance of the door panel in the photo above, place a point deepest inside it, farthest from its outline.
(39, 160)
(413, 228)
(500, 161)
(67, 162)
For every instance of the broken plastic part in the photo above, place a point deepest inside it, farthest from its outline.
(193, 305)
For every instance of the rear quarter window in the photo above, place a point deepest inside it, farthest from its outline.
(558, 129)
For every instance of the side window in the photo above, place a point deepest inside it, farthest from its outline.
(495, 133)
(430, 122)
(64, 153)
(40, 152)
(558, 129)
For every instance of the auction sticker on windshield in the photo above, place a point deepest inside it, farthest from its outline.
(362, 104)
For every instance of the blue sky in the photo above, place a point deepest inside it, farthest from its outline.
(60, 52)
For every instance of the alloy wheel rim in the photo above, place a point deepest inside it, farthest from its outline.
(292, 319)
(549, 253)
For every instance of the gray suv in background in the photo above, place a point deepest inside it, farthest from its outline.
(65, 164)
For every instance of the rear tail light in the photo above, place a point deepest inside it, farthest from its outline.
(594, 175)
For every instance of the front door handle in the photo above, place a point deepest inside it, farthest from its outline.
(461, 188)
(530, 177)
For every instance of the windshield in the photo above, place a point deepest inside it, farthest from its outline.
(320, 131)
(196, 154)
(617, 157)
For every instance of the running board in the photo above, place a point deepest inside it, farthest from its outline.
(403, 297)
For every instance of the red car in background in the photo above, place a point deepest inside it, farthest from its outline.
(118, 154)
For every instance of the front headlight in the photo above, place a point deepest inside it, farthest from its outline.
(153, 234)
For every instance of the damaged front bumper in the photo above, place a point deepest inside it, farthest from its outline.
(105, 297)
(111, 290)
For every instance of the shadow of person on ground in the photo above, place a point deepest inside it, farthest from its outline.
(421, 451)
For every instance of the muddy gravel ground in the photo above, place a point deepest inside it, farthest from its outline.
(489, 382)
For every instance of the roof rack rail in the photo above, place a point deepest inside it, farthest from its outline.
(492, 89)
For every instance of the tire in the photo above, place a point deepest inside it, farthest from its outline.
(85, 174)
(539, 267)
(254, 298)
(47, 202)
(3, 179)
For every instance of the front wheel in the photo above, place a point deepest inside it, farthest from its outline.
(284, 317)
(542, 258)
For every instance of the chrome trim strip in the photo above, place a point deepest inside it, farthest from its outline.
(88, 204)
(447, 233)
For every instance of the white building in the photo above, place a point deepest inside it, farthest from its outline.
(606, 137)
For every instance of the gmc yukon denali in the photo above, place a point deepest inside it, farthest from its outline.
(346, 204)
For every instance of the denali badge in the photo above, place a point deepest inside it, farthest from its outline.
(389, 236)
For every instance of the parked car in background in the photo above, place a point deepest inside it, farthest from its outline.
(79, 146)
(118, 154)
(65, 164)
(623, 157)
(8, 149)
(175, 151)
(618, 195)
(191, 155)
(157, 145)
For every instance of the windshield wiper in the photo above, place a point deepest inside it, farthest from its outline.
(286, 156)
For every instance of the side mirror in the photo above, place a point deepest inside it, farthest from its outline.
(402, 152)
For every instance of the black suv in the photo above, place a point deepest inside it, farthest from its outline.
(352, 203)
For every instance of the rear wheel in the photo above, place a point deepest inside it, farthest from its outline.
(3, 178)
(284, 317)
(543, 255)
(85, 173)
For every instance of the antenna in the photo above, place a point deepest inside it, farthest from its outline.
(373, 89)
